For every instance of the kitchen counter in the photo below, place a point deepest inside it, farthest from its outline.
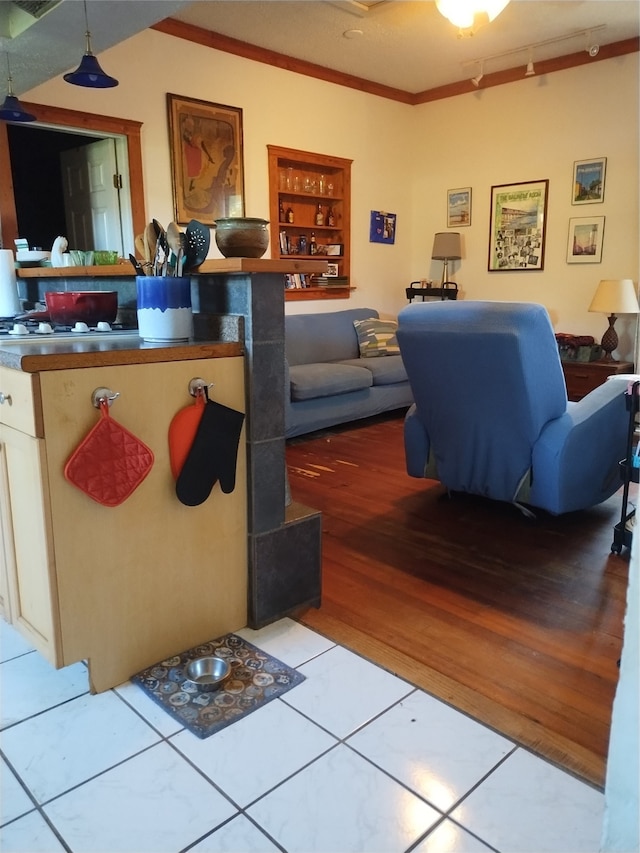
(34, 355)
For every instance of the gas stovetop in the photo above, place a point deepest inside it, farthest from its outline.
(24, 330)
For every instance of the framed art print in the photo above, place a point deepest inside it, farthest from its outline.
(588, 181)
(517, 226)
(382, 227)
(206, 160)
(458, 207)
(584, 245)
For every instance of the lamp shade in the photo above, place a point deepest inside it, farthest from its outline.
(90, 74)
(464, 13)
(446, 246)
(12, 110)
(615, 296)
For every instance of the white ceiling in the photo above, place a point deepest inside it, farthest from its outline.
(405, 44)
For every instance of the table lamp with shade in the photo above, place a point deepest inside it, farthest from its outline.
(446, 247)
(613, 297)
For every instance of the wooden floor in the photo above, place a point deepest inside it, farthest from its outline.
(516, 622)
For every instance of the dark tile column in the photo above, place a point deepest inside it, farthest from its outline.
(284, 544)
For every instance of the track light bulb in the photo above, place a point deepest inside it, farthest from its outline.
(476, 80)
(594, 49)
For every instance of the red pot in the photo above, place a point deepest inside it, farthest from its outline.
(85, 306)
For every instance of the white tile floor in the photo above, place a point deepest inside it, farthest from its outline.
(352, 759)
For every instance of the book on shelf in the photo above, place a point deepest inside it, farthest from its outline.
(297, 281)
(331, 281)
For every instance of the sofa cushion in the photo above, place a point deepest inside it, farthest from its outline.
(377, 337)
(309, 381)
(384, 371)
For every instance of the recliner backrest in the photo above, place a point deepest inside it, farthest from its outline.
(486, 378)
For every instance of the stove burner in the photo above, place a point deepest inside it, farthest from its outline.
(27, 326)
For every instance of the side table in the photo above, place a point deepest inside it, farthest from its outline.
(583, 376)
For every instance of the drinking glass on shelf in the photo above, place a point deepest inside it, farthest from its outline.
(289, 178)
(329, 188)
(296, 182)
(321, 185)
(307, 184)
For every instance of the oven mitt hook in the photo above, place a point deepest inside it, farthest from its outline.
(213, 455)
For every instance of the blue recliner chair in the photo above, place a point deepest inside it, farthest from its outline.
(491, 415)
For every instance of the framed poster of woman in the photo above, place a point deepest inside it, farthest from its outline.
(206, 160)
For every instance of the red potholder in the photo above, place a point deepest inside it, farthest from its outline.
(110, 462)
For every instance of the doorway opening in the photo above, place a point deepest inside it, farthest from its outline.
(69, 182)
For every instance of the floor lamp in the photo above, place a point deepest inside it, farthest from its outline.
(446, 247)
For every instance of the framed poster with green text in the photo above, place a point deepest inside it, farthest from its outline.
(517, 226)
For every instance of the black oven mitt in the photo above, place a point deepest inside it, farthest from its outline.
(213, 455)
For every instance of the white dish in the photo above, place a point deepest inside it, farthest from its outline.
(31, 256)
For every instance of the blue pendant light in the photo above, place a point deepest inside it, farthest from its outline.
(12, 109)
(89, 73)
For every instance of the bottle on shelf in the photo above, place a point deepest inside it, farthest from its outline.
(313, 246)
(319, 215)
(290, 215)
(331, 217)
(282, 214)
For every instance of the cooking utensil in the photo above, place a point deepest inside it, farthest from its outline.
(198, 241)
(151, 239)
(136, 265)
(175, 245)
(141, 248)
(86, 306)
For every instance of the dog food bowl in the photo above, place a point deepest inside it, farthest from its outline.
(208, 673)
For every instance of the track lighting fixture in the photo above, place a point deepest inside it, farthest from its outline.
(476, 80)
(530, 69)
(592, 48)
(89, 73)
(11, 109)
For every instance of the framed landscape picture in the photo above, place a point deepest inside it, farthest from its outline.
(584, 245)
(458, 207)
(588, 181)
(206, 160)
(517, 226)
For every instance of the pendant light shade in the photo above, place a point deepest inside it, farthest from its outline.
(89, 73)
(12, 109)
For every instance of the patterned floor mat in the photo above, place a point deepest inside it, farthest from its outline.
(256, 678)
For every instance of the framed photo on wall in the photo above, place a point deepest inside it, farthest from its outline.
(206, 160)
(584, 245)
(458, 207)
(382, 227)
(518, 226)
(588, 181)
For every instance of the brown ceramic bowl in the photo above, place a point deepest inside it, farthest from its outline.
(242, 237)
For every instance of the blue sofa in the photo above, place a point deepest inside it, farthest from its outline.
(327, 382)
(491, 415)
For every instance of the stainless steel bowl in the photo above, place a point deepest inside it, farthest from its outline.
(208, 673)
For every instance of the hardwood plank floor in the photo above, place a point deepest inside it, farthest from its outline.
(516, 622)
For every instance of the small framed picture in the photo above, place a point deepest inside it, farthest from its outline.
(588, 181)
(458, 207)
(382, 227)
(584, 245)
(334, 249)
(332, 270)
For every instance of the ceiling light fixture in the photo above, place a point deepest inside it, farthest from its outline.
(12, 109)
(476, 80)
(468, 15)
(89, 73)
(530, 69)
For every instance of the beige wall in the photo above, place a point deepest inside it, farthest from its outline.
(405, 159)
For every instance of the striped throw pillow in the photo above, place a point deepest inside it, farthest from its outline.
(377, 337)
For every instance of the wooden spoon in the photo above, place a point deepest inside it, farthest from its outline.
(151, 239)
(174, 242)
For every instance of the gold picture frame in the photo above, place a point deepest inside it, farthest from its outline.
(207, 163)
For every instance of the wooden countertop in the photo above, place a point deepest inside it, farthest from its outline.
(61, 354)
(223, 266)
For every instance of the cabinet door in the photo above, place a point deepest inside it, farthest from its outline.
(30, 583)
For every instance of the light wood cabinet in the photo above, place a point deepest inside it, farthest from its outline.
(121, 587)
(303, 182)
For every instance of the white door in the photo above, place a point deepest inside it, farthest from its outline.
(91, 197)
